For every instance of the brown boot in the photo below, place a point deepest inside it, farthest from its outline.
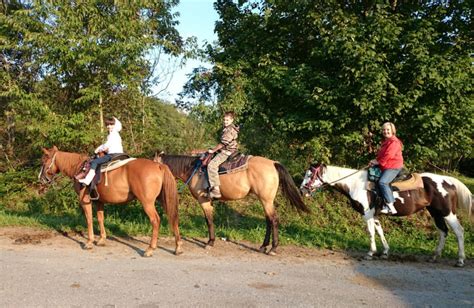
(215, 193)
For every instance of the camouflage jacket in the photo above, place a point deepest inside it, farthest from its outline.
(229, 138)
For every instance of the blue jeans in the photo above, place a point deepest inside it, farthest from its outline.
(98, 161)
(388, 175)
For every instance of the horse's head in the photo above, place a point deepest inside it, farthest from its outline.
(313, 179)
(48, 165)
(158, 158)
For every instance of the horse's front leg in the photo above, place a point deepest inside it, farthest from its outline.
(209, 215)
(100, 219)
(379, 229)
(86, 204)
(369, 218)
(87, 208)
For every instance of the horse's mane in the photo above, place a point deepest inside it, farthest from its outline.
(70, 162)
(179, 164)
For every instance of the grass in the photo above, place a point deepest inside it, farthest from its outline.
(332, 224)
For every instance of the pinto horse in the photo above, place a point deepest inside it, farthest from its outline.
(140, 179)
(262, 178)
(440, 195)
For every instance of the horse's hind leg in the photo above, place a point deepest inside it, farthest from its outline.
(268, 232)
(272, 227)
(177, 237)
(155, 221)
(453, 222)
(100, 219)
(443, 231)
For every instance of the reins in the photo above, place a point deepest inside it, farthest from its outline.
(196, 167)
(357, 171)
(317, 175)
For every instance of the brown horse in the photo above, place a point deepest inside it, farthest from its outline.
(140, 179)
(262, 178)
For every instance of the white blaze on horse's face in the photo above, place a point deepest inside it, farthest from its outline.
(48, 168)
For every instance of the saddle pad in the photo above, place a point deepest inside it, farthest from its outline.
(412, 183)
(236, 164)
(115, 164)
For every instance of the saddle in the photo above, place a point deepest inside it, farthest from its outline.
(86, 165)
(235, 163)
(403, 182)
(117, 161)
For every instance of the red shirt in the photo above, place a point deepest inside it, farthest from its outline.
(390, 154)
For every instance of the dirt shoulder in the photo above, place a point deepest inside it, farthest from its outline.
(44, 268)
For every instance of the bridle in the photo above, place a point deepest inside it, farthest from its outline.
(316, 175)
(43, 175)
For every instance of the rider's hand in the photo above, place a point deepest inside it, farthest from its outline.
(210, 151)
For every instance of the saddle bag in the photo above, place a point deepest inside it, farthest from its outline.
(374, 173)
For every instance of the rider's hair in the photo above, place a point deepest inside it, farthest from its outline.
(392, 126)
(109, 121)
(229, 114)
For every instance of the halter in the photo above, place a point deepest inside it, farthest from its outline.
(44, 172)
(315, 175)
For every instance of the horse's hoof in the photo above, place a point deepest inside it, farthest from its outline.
(88, 246)
(208, 247)
(433, 260)
(101, 242)
(262, 249)
(272, 253)
(459, 264)
(178, 252)
(148, 252)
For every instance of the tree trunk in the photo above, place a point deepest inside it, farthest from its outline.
(101, 114)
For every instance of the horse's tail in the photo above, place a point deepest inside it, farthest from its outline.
(290, 191)
(169, 196)
(464, 196)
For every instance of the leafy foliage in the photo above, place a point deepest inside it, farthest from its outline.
(66, 65)
(324, 75)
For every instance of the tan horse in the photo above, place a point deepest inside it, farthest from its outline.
(262, 178)
(140, 179)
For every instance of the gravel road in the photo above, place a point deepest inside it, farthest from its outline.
(48, 269)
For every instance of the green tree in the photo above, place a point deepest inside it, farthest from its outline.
(65, 64)
(322, 76)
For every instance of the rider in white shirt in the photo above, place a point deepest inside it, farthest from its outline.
(113, 145)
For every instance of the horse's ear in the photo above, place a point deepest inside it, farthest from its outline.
(55, 148)
(157, 158)
(45, 151)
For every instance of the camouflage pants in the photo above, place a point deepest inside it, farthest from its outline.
(213, 168)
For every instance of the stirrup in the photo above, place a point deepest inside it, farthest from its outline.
(212, 194)
(387, 210)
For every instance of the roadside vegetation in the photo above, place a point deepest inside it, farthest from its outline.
(332, 223)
